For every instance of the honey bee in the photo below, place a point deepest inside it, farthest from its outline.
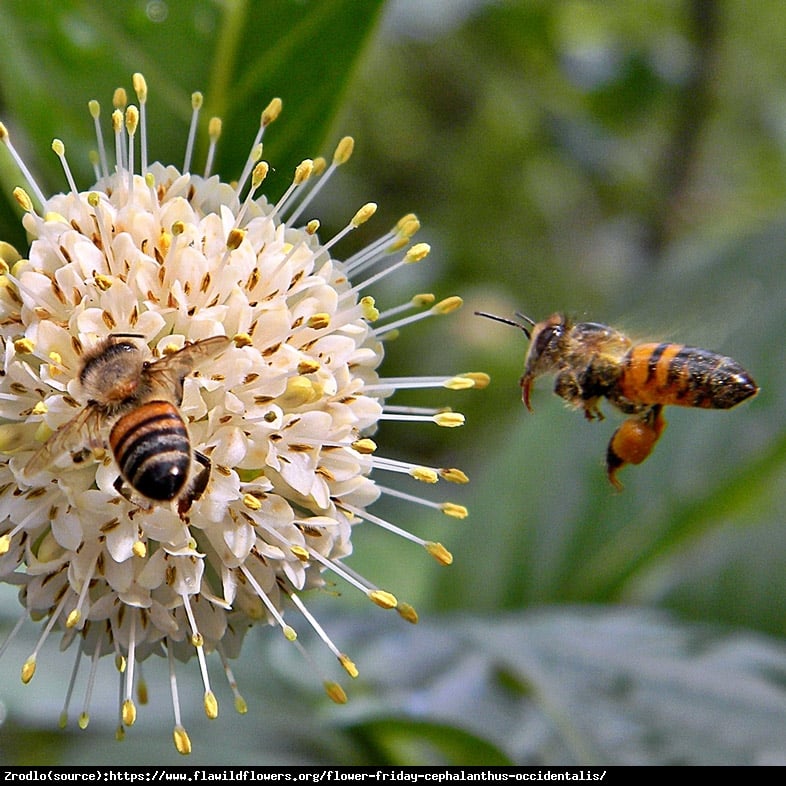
(593, 361)
(132, 404)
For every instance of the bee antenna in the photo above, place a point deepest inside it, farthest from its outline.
(506, 321)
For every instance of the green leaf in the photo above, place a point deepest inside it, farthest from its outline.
(239, 53)
(579, 686)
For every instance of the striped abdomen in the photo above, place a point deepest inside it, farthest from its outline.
(152, 449)
(685, 376)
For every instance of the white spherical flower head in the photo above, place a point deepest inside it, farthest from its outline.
(189, 385)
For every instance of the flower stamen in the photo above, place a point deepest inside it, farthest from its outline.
(196, 105)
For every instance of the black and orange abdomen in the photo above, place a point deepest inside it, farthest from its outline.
(673, 374)
(152, 449)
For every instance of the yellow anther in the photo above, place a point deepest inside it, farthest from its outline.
(242, 340)
(319, 321)
(58, 147)
(103, 282)
(119, 98)
(259, 173)
(129, 712)
(165, 241)
(447, 305)
(407, 612)
(197, 639)
(3, 132)
(454, 510)
(424, 474)
(197, 99)
(251, 502)
(240, 705)
(480, 378)
(348, 666)
(120, 663)
(23, 346)
(140, 88)
(235, 238)
(132, 119)
(404, 220)
(5, 544)
(383, 599)
(94, 108)
(271, 112)
(422, 300)
(214, 128)
(308, 366)
(417, 252)
(182, 740)
(300, 553)
(439, 552)
(23, 199)
(139, 549)
(364, 446)
(343, 150)
(290, 634)
(83, 721)
(449, 419)
(178, 227)
(117, 121)
(364, 214)
(335, 692)
(28, 670)
(368, 309)
(211, 705)
(459, 382)
(312, 227)
(300, 390)
(8, 256)
(453, 475)
(303, 171)
(73, 618)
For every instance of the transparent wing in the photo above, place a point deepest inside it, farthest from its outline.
(168, 372)
(82, 431)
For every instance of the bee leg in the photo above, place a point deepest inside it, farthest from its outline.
(633, 441)
(126, 492)
(196, 488)
(592, 411)
(567, 387)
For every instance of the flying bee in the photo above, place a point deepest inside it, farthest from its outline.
(593, 361)
(136, 401)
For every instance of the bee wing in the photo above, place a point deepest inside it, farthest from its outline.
(169, 371)
(82, 431)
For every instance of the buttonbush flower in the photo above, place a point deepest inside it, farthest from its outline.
(282, 413)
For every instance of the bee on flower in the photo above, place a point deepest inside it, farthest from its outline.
(188, 395)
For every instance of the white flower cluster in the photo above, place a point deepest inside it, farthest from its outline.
(157, 262)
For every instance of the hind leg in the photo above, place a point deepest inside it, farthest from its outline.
(196, 488)
(633, 441)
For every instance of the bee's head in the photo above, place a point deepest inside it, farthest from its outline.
(545, 349)
(545, 352)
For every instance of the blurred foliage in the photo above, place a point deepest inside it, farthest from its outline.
(622, 161)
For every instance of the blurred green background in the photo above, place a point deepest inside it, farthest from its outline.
(621, 161)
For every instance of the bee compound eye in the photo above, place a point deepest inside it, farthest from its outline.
(547, 337)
